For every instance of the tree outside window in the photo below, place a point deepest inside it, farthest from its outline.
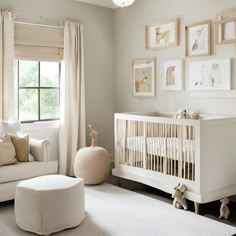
(38, 91)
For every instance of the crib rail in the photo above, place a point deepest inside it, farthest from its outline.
(164, 146)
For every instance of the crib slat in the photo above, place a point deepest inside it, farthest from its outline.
(135, 146)
(171, 146)
(144, 144)
(152, 148)
(156, 146)
(189, 154)
(184, 155)
(193, 153)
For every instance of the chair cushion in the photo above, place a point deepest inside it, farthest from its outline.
(7, 152)
(21, 146)
(26, 170)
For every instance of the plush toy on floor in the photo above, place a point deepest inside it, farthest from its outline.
(224, 210)
(179, 200)
(180, 114)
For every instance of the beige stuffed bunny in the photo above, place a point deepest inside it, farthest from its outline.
(93, 133)
(179, 200)
(224, 210)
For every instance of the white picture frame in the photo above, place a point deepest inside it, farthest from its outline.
(210, 74)
(198, 39)
(171, 75)
(144, 77)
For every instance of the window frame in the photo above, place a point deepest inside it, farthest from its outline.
(37, 88)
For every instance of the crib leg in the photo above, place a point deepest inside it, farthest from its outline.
(196, 207)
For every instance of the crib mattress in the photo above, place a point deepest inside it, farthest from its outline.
(162, 146)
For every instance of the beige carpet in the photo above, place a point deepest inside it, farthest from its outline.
(114, 211)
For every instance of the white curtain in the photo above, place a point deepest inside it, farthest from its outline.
(7, 84)
(73, 126)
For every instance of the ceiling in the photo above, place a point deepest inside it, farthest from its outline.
(102, 3)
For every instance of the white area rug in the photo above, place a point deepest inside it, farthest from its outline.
(114, 211)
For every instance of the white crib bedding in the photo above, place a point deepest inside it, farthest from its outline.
(160, 146)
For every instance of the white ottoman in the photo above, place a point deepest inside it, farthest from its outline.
(48, 204)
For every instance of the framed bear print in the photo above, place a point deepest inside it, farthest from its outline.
(162, 34)
(197, 39)
(171, 75)
(144, 77)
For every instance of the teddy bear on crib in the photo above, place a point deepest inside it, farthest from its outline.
(224, 210)
(179, 200)
(182, 114)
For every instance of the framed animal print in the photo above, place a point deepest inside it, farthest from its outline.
(171, 75)
(209, 74)
(198, 39)
(225, 27)
(162, 34)
(144, 77)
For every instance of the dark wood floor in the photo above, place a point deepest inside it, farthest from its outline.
(210, 210)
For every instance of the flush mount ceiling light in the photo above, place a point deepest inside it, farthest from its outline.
(123, 3)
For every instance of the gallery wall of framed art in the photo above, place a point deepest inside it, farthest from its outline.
(198, 70)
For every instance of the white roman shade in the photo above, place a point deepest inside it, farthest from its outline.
(38, 42)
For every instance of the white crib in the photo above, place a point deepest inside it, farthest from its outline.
(155, 149)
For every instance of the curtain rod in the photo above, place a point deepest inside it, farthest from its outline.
(35, 24)
(8, 10)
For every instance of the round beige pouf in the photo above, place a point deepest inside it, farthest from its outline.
(92, 164)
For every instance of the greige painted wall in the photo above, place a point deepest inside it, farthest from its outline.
(97, 22)
(118, 36)
(129, 43)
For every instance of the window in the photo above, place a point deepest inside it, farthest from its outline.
(38, 91)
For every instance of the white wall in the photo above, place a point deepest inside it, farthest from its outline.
(113, 39)
(97, 22)
(129, 43)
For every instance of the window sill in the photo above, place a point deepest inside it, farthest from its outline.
(41, 125)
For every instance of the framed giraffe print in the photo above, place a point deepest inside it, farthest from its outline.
(162, 34)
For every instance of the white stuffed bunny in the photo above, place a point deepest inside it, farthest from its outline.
(179, 200)
(180, 114)
(224, 210)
